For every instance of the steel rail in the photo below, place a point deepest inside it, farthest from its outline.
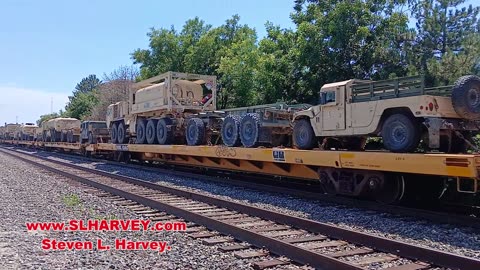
(432, 256)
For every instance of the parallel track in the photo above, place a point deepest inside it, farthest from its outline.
(451, 217)
(303, 241)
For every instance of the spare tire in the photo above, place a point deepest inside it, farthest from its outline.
(466, 97)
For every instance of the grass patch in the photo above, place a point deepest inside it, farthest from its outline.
(71, 200)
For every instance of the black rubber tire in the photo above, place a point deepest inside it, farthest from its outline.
(230, 130)
(303, 135)
(195, 132)
(400, 133)
(141, 131)
(63, 137)
(91, 139)
(151, 131)
(121, 133)
(250, 130)
(164, 135)
(466, 97)
(114, 133)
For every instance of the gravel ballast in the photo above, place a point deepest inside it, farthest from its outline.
(448, 238)
(30, 195)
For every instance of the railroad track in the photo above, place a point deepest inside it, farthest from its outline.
(300, 190)
(254, 233)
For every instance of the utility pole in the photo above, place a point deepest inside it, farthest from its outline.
(51, 106)
(16, 119)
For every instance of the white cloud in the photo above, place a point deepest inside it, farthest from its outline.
(27, 104)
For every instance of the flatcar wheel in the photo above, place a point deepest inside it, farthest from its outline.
(392, 190)
(114, 133)
(151, 132)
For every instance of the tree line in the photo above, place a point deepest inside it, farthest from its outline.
(332, 41)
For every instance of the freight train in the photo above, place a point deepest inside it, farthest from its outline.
(172, 118)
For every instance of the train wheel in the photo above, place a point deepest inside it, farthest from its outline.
(141, 131)
(121, 134)
(392, 190)
(164, 133)
(250, 129)
(151, 133)
(114, 133)
(230, 130)
(195, 133)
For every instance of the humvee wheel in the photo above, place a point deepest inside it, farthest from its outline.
(121, 134)
(141, 131)
(164, 135)
(249, 129)
(195, 132)
(466, 97)
(230, 127)
(400, 133)
(114, 135)
(303, 134)
(150, 132)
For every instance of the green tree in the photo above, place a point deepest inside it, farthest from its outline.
(83, 97)
(168, 48)
(80, 107)
(339, 40)
(442, 26)
(453, 65)
(46, 117)
(275, 76)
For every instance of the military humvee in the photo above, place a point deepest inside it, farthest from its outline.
(26, 132)
(94, 131)
(401, 111)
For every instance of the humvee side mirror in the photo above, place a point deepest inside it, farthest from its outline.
(323, 98)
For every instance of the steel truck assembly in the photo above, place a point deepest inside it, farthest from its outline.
(94, 131)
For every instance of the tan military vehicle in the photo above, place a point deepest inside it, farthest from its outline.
(26, 132)
(11, 130)
(94, 131)
(2, 132)
(158, 107)
(38, 133)
(61, 130)
(400, 111)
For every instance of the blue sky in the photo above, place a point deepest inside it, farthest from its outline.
(46, 47)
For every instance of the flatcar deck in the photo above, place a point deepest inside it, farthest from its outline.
(292, 162)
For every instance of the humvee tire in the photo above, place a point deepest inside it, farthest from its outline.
(303, 135)
(141, 131)
(250, 129)
(164, 135)
(114, 134)
(466, 97)
(400, 133)
(195, 132)
(230, 130)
